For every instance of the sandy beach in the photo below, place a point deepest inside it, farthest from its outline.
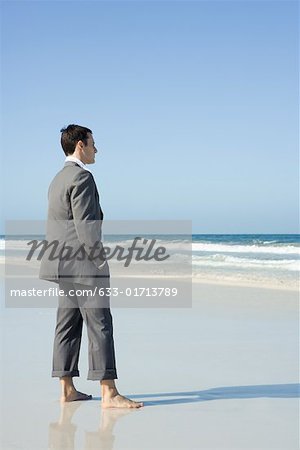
(150, 157)
(222, 374)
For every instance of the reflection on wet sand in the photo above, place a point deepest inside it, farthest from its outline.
(62, 433)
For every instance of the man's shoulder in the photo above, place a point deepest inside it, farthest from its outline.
(72, 173)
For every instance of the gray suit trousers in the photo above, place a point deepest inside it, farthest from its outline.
(95, 312)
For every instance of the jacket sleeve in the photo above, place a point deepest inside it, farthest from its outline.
(85, 210)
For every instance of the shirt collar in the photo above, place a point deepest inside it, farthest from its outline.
(77, 161)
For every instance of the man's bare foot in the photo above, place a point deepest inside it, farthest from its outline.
(112, 399)
(119, 401)
(69, 393)
(74, 395)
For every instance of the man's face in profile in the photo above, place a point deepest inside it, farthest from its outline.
(88, 151)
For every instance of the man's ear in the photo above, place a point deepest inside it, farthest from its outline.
(79, 145)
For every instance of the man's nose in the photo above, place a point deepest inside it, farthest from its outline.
(96, 151)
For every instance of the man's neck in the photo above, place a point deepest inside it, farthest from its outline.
(72, 158)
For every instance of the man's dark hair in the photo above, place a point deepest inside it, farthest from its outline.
(71, 135)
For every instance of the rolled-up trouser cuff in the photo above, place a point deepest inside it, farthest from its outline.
(64, 373)
(100, 375)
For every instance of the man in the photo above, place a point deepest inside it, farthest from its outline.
(74, 222)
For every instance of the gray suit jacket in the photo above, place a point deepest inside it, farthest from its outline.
(74, 229)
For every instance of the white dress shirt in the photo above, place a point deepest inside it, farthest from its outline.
(77, 161)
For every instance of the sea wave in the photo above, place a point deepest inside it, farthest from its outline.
(231, 261)
(14, 244)
(236, 248)
(185, 246)
(173, 245)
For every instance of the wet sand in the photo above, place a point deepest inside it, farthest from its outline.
(222, 374)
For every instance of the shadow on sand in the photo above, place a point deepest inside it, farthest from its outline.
(220, 393)
(62, 433)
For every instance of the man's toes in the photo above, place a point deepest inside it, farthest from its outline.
(136, 404)
(85, 396)
(78, 396)
(82, 396)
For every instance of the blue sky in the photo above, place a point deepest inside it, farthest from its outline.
(193, 106)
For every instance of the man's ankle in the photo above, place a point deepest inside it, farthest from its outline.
(67, 384)
(108, 383)
(108, 387)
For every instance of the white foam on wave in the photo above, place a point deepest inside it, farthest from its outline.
(182, 245)
(14, 244)
(227, 248)
(231, 261)
(174, 244)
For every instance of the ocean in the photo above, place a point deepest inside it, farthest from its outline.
(259, 258)
(262, 258)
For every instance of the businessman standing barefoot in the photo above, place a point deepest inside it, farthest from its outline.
(74, 221)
